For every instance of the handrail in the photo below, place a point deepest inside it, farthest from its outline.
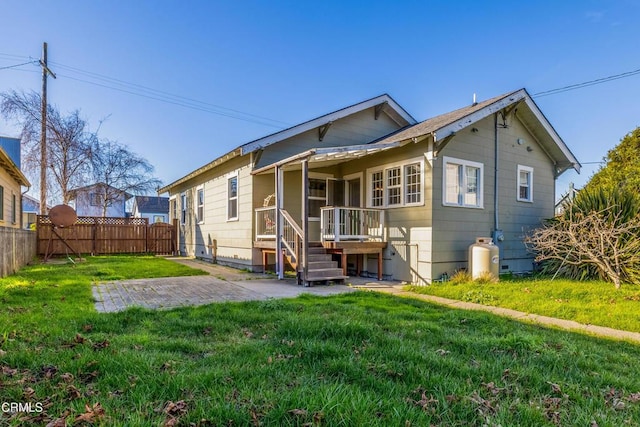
(352, 223)
(291, 236)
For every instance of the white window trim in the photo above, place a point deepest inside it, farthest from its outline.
(197, 203)
(237, 198)
(463, 163)
(528, 169)
(403, 189)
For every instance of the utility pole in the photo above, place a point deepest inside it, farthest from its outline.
(43, 132)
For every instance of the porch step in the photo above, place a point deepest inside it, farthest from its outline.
(319, 257)
(318, 265)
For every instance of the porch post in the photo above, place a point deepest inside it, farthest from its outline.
(305, 220)
(279, 206)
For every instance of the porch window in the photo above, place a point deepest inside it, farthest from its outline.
(525, 184)
(232, 198)
(462, 183)
(396, 185)
(377, 189)
(413, 180)
(200, 201)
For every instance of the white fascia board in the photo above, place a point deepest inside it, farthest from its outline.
(466, 121)
(312, 124)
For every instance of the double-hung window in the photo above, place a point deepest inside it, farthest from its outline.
(525, 184)
(232, 198)
(462, 183)
(396, 185)
(200, 202)
(183, 207)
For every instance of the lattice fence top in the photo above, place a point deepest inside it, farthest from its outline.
(98, 220)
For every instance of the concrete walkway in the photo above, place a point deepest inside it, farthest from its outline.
(228, 284)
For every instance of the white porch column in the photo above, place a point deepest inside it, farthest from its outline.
(305, 220)
(279, 185)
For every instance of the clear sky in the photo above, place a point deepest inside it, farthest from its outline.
(249, 68)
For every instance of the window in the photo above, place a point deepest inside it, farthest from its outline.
(232, 198)
(158, 218)
(183, 206)
(462, 183)
(317, 197)
(377, 189)
(412, 184)
(95, 199)
(14, 217)
(525, 184)
(200, 201)
(396, 185)
(1, 203)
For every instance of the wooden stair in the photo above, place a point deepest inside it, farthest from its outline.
(321, 267)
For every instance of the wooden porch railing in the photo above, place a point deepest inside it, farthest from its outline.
(266, 223)
(347, 223)
(292, 238)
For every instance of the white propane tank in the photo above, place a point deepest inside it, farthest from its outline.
(484, 257)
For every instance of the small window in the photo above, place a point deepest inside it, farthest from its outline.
(158, 219)
(1, 203)
(413, 184)
(200, 200)
(462, 183)
(14, 217)
(183, 206)
(95, 199)
(232, 198)
(525, 184)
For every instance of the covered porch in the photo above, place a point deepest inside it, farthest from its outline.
(333, 219)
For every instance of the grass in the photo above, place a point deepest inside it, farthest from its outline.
(347, 360)
(589, 302)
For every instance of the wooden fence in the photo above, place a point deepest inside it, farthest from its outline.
(17, 248)
(106, 235)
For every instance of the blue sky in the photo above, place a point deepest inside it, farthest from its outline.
(260, 66)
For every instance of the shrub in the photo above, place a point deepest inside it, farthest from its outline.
(596, 237)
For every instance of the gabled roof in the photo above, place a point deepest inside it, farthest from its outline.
(446, 125)
(12, 169)
(384, 102)
(152, 204)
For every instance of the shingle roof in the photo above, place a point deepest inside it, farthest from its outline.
(152, 204)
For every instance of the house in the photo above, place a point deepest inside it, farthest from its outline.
(378, 192)
(155, 209)
(30, 211)
(566, 198)
(99, 199)
(11, 182)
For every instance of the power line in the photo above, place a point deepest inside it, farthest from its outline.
(18, 65)
(586, 84)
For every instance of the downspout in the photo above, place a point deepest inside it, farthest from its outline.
(497, 234)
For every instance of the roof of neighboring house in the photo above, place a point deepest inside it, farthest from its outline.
(74, 193)
(387, 104)
(152, 204)
(445, 125)
(12, 169)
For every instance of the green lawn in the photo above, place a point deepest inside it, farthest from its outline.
(590, 302)
(349, 360)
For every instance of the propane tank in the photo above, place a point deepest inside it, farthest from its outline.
(484, 257)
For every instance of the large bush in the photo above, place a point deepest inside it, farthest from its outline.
(597, 236)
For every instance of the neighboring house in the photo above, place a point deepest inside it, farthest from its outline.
(30, 211)
(155, 209)
(566, 198)
(386, 195)
(11, 182)
(90, 200)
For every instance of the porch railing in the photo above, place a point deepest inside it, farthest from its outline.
(346, 223)
(291, 238)
(266, 223)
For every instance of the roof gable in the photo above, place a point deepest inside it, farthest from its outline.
(151, 204)
(446, 125)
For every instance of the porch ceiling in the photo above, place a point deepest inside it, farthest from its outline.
(328, 156)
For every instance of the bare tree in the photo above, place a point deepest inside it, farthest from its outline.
(70, 144)
(121, 171)
(597, 239)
